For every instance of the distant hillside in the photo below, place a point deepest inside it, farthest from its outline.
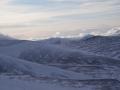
(5, 37)
(108, 46)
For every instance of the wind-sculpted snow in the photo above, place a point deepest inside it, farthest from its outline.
(97, 71)
(16, 47)
(17, 66)
(27, 83)
(61, 55)
(44, 52)
(108, 46)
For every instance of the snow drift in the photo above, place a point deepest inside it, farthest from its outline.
(17, 66)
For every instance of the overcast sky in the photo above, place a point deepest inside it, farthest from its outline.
(39, 18)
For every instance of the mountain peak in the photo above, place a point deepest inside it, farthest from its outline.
(5, 37)
(114, 31)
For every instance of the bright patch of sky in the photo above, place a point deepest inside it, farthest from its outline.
(39, 18)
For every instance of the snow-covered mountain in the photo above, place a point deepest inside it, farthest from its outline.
(47, 52)
(87, 63)
(8, 41)
(107, 46)
(53, 54)
(114, 31)
(5, 37)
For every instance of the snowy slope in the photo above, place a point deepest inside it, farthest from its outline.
(5, 37)
(88, 62)
(66, 50)
(108, 46)
(55, 54)
(16, 47)
(6, 83)
(17, 66)
(27, 83)
(7, 43)
(47, 52)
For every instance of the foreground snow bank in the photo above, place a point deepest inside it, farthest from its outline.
(6, 83)
(23, 82)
